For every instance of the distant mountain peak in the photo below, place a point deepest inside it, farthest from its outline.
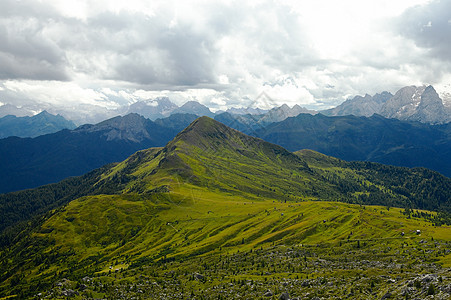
(159, 107)
(284, 106)
(33, 126)
(416, 103)
(410, 103)
(245, 111)
(44, 113)
(192, 103)
(132, 127)
(360, 106)
(194, 107)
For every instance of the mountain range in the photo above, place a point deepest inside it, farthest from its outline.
(360, 106)
(375, 138)
(31, 162)
(410, 103)
(40, 124)
(163, 220)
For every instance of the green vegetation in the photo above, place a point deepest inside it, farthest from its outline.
(120, 241)
(217, 214)
(379, 184)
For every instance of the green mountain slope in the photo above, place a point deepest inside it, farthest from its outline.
(210, 154)
(168, 215)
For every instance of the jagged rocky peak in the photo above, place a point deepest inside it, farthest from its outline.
(132, 127)
(282, 112)
(360, 106)
(431, 108)
(245, 111)
(414, 103)
(153, 108)
(404, 103)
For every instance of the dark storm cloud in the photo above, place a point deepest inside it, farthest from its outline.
(175, 55)
(141, 49)
(163, 49)
(231, 50)
(429, 26)
(26, 50)
(167, 48)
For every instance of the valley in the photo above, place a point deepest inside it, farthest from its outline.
(218, 214)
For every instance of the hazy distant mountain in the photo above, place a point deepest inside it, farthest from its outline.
(245, 123)
(360, 106)
(9, 109)
(42, 123)
(375, 139)
(245, 111)
(177, 122)
(280, 113)
(421, 104)
(153, 108)
(249, 123)
(31, 162)
(195, 108)
(163, 107)
(413, 103)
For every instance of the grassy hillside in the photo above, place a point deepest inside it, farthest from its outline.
(384, 185)
(214, 156)
(218, 214)
(225, 238)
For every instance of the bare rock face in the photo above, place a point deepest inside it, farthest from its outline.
(132, 127)
(404, 103)
(361, 106)
(413, 103)
(431, 108)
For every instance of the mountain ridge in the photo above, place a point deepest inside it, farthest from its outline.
(410, 103)
(69, 153)
(40, 124)
(31, 162)
(434, 110)
(375, 138)
(212, 192)
(360, 106)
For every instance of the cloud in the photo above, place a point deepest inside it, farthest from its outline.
(221, 53)
(429, 26)
(27, 48)
(55, 93)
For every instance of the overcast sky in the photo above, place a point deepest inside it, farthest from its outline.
(220, 53)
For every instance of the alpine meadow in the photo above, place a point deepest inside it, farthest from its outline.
(217, 214)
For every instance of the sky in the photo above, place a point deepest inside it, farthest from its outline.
(74, 55)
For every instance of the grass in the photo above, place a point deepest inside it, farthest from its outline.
(194, 230)
(190, 222)
(234, 209)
